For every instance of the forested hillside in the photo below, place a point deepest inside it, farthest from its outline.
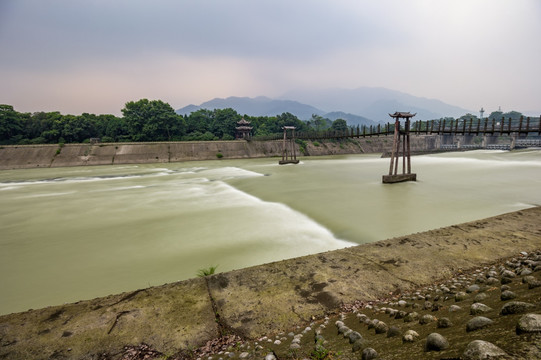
(152, 120)
(142, 120)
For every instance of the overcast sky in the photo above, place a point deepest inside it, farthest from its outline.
(95, 55)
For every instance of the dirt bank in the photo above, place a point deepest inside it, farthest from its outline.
(35, 156)
(265, 299)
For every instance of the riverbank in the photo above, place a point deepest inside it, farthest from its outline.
(267, 299)
(46, 156)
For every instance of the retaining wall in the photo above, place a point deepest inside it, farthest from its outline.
(34, 156)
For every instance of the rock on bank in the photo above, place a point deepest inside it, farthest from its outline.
(264, 299)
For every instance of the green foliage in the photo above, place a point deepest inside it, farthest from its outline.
(10, 124)
(152, 120)
(302, 145)
(339, 125)
(207, 271)
(219, 155)
(496, 115)
(321, 353)
(319, 123)
(467, 117)
(197, 136)
(315, 143)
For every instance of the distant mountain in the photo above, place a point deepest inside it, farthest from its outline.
(375, 103)
(186, 110)
(361, 106)
(259, 106)
(352, 120)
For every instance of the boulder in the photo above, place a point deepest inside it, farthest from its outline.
(369, 354)
(393, 331)
(507, 295)
(479, 308)
(444, 323)
(410, 336)
(529, 323)
(478, 322)
(479, 349)
(516, 307)
(436, 342)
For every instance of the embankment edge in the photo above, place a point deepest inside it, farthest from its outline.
(265, 299)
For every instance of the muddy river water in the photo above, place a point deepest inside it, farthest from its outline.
(68, 234)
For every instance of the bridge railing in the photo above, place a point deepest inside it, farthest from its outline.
(522, 126)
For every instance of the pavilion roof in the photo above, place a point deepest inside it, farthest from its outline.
(243, 122)
(402, 114)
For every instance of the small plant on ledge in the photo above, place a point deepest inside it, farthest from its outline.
(208, 271)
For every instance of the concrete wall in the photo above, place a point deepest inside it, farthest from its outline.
(33, 156)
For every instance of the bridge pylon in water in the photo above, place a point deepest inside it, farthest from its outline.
(289, 155)
(400, 136)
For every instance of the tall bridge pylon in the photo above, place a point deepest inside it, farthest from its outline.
(289, 155)
(400, 136)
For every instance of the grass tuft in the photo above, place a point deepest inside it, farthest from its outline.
(208, 271)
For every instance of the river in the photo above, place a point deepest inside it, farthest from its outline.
(76, 233)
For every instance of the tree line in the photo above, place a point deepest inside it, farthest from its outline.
(142, 120)
(151, 120)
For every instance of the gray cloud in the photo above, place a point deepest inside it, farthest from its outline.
(460, 51)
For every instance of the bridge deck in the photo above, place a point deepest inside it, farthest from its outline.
(474, 127)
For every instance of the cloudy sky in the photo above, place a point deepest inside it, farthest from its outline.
(95, 55)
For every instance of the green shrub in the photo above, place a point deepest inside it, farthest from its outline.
(315, 143)
(219, 155)
(208, 271)
(302, 145)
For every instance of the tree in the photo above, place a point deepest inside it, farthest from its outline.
(319, 123)
(76, 128)
(514, 115)
(339, 125)
(10, 125)
(200, 121)
(152, 121)
(285, 119)
(114, 128)
(467, 117)
(495, 115)
(225, 122)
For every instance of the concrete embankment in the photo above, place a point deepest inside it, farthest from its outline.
(265, 299)
(39, 156)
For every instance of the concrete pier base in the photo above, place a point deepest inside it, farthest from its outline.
(391, 179)
(283, 162)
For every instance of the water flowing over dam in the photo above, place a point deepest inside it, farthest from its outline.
(81, 232)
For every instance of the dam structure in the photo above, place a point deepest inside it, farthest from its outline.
(425, 136)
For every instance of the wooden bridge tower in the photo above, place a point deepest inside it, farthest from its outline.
(406, 175)
(289, 155)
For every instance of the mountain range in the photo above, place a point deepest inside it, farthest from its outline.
(361, 106)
